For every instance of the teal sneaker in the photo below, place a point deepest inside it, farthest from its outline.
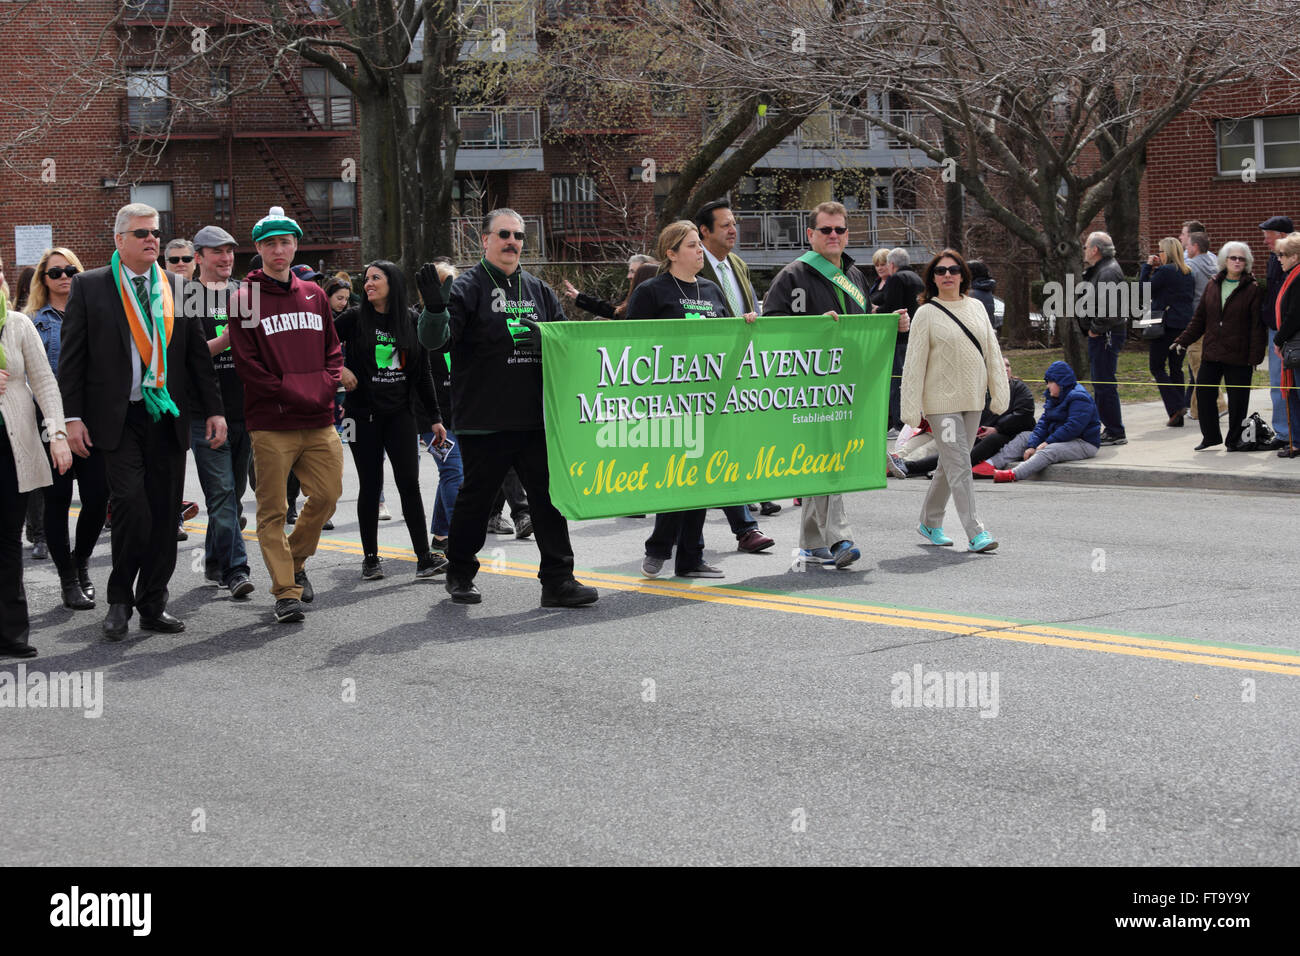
(983, 542)
(935, 535)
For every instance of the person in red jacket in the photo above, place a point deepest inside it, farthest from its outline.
(287, 355)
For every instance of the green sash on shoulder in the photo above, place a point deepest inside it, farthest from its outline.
(836, 277)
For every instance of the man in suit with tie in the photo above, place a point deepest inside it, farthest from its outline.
(130, 354)
(718, 232)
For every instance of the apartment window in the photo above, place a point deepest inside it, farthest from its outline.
(222, 207)
(334, 204)
(146, 9)
(664, 183)
(329, 99)
(1272, 143)
(148, 105)
(158, 195)
(573, 203)
(219, 84)
(666, 98)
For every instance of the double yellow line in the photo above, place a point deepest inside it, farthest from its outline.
(1235, 656)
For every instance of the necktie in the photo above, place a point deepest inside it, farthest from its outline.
(723, 274)
(142, 296)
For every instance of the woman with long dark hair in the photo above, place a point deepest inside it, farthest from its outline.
(389, 369)
(48, 299)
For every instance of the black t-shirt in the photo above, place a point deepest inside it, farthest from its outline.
(494, 385)
(389, 378)
(214, 325)
(667, 297)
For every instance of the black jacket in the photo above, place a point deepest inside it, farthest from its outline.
(903, 290)
(1019, 416)
(95, 362)
(1233, 333)
(1102, 273)
(819, 296)
(1290, 317)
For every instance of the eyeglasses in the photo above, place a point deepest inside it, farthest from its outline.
(947, 270)
(58, 272)
(143, 233)
(506, 234)
(175, 259)
(827, 230)
(1236, 258)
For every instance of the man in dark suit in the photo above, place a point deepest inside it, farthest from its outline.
(124, 400)
(718, 232)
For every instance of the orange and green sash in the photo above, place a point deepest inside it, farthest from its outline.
(151, 324)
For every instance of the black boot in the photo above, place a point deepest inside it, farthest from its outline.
(74, 598)
(83, 578)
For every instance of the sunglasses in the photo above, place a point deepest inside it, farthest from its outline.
(947, 270)
(827, 230)
(175, 259)
(1236, 258)
(144, 233)
(506, 234)
(58, 272)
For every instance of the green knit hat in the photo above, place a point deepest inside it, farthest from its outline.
(276, 223)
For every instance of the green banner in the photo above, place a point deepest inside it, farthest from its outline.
(671, 414)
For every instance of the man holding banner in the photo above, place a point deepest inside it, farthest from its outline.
(492, 319)
(823, 282)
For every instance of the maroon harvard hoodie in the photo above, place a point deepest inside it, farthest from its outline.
(289, 358)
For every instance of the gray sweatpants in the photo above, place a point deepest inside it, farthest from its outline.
(1014, 450)
(823, 522)
(954, 435)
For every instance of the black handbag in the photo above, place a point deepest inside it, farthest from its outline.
(1291, 352)
(1153, 327)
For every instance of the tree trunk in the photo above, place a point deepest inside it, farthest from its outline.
(953, 198)
(1123, 215)
(381, 226)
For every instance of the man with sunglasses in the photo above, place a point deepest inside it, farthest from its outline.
(180, 258)
(902, 294)
(824, 281)
(132, 366)
(490, 316)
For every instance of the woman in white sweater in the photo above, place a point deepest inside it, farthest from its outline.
(952, 360)
(24, 372)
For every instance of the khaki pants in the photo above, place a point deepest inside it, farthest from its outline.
(823, 522)
(316, 456)
(1194, 360)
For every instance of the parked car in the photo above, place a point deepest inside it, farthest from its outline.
(1036, 319)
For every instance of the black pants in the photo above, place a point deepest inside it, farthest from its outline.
(685, 530)
(984, 449)
(1167, 369)
(487, 458)
(13, 511)
(396, 435)
(36, 516)
(146, 474)
(513, 492)
(92, 489)
(1207, 399)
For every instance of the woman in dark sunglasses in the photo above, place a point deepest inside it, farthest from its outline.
(49, 297)
(953, 361)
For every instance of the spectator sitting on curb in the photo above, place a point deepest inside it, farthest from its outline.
(994, 432)
(1069, 430)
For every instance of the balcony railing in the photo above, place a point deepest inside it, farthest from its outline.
(771, 230)
(467, 241)
(499, 127)
(836, 129)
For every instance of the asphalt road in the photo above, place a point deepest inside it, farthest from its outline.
(1146, 711)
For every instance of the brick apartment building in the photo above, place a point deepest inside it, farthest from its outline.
(574, 171)
(1195, 167)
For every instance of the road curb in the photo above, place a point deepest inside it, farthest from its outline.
(1089, 473)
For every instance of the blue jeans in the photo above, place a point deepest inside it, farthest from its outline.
(223, 473)
(1103, 356)
(896, 384)
(1279, 423)
(450, 475)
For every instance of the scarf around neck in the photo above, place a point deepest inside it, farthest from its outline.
(151, 330)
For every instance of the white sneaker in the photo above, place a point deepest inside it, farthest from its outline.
(895, 466)
(384, 514)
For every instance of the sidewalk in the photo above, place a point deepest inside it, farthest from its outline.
(1159, 456)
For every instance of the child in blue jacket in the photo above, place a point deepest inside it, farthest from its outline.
(1069, 430)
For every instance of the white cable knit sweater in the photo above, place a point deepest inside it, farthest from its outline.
(943, 371)
(29, 374)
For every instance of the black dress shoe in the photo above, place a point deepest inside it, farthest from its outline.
(568, 594)
(462, 591)
(1207, 444)
(115, 623)
(769, 508)
(40, 550)
(164, 623)
(1288, 452)
(83, 578)
(17, 650)
(74, 598)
